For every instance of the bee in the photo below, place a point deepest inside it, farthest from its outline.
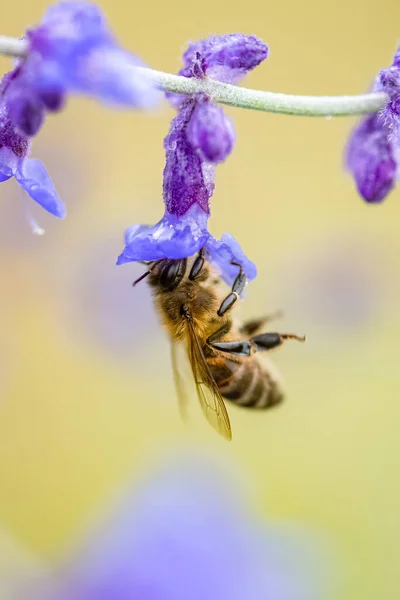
(223, 355)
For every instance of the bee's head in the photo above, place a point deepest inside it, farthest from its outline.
(167, 274)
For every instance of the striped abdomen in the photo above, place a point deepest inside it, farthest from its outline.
(247, 383)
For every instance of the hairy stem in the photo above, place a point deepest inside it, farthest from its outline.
(288, 104)
(223, 93)
(12, 46)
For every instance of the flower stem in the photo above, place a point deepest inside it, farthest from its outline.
(288, 104)
(12, 46)
(231, 95)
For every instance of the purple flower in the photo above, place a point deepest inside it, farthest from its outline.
(72, 50)
(188, 185)
(210, 131)
(373, 151)
(226, 58)
(371, 159)
(200, 137)
(30, 173)
(188, 536)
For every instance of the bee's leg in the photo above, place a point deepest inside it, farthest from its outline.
(237, 289)
(251, 327)
(197, 265)
(258, 343)
(236, 348)
(267, 341)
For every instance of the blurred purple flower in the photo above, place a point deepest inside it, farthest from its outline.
(72, 50)
(186, 536)
(200, 137)
(14, 162)
(373, 151)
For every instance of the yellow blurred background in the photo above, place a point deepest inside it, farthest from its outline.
(86, 393)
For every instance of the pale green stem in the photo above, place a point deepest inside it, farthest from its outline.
(231, 95)
(12, 47)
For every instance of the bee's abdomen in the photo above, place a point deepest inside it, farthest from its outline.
(249, 385)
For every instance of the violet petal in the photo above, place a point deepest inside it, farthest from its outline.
(8, 163)
(78, 51)
(226, 58)
(34, 179)
(109, 74)
(172, 237)
(222, 252)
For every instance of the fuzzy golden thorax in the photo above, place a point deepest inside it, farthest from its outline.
(201, 297)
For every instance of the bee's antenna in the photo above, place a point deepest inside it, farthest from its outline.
(154, 264)
(140, 278)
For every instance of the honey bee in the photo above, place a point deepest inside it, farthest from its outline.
(223, 355)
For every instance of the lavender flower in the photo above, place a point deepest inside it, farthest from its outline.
(72, 50)
(14, 149)
(370, 157)
(226, 58)
(210, 131)
(187, 536)
(200, 137)
(373, 151)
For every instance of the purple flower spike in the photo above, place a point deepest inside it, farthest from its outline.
(79, 53)
(201, 136)
(73, 50)
(373, 151)
(187, 188)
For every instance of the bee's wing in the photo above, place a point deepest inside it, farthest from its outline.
(181, 375)
(207, 390)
